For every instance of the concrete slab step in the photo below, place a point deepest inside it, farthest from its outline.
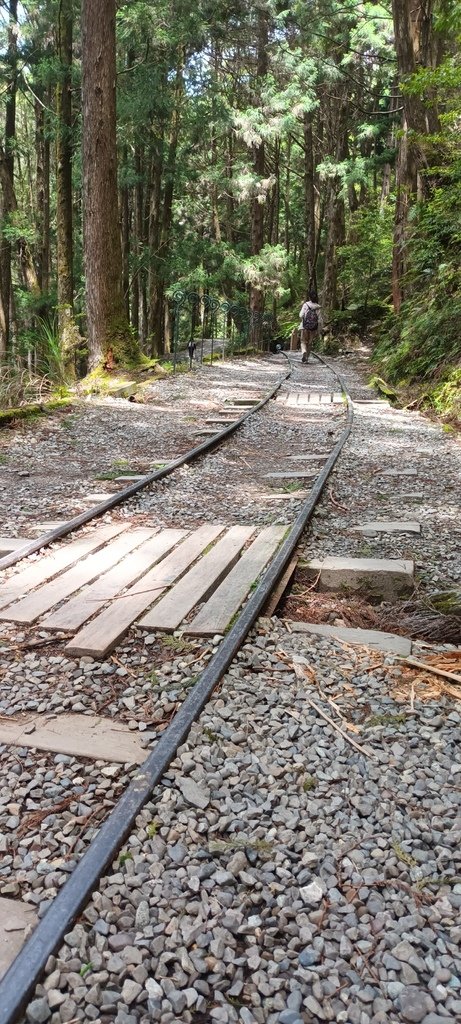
(379, 641)
(290, 474)
(399, 472)
(8, 544)
(129, 478)
(81, 735)
(318, 457)
(93, 499)
(15, 918)
(385, 578)
(389, 526)
(223, 422)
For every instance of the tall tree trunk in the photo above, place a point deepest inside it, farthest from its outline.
(8, 159)
(125, 235)
(259, 160)
(229, 198)
(155, 309)
(412, 31)
(109, 337)
(309, 204)
(26, 262)
(68, 331)
(42, 149)
(159, 282)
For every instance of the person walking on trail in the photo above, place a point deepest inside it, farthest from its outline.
(310, 317)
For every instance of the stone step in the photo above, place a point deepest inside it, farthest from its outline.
(129, 478)
(245, 401)
(9, 544)
(123, 390)
(15, 918)
(319, 457)
(398, 472)
(379, 641)
(102, 739)
(391, 526)
(291, 474)
(223, 422)
(386, 578)
(96, 498)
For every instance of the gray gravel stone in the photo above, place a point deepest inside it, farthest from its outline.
(38, 1011)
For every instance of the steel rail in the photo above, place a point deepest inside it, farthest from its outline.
(117, 499)
(28, 967)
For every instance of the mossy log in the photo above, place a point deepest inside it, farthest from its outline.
(447, 602)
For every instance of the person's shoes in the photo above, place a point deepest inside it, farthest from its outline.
(304, 357)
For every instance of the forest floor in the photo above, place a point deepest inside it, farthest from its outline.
(285, 872)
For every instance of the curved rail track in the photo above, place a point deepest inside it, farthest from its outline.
(28, 967)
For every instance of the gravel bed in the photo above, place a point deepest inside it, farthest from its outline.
(394, 439)
(280, 875)
(50, 807)
(48, 465)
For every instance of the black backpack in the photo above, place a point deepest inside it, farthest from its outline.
(310, 319)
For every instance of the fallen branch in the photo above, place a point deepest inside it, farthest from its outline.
(432, 668)
(338, 728)
(343, 508)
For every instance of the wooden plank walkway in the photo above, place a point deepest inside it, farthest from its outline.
(45, 568)
(71, 615)
(199, 582)
(103, 633)
(98, 586)
(47, 596)
(294, 399)
(217, 613)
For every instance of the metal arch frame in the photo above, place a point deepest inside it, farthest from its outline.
(182, 299)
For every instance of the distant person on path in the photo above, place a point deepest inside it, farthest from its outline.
(191, 350)
(310, 317)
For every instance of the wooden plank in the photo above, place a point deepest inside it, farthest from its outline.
(291, 474)
(281, 587)
(102, 634)
(199, 582)
(50, 594)
(46, 567)
(216, 614)
(71, 615)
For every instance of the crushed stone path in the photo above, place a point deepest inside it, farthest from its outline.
(284, 872)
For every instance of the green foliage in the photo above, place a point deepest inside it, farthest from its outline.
(422, 347)
(366, 259)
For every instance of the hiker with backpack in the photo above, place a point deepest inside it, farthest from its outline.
(310, 318)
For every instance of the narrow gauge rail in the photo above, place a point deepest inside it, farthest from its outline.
(29, 966)
(45, 539)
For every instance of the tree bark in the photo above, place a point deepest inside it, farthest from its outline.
(109, 337)
(8, 160)
(259, 159)
(68, 331)
(413, 43)
(42, 149)
(309, 201)
(157, 318)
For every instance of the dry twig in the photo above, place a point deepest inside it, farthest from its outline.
(427, 667)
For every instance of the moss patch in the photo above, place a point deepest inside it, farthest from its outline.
(31, 411)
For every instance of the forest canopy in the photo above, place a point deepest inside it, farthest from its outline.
(249, 151)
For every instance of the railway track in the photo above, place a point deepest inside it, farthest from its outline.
(209, 568)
